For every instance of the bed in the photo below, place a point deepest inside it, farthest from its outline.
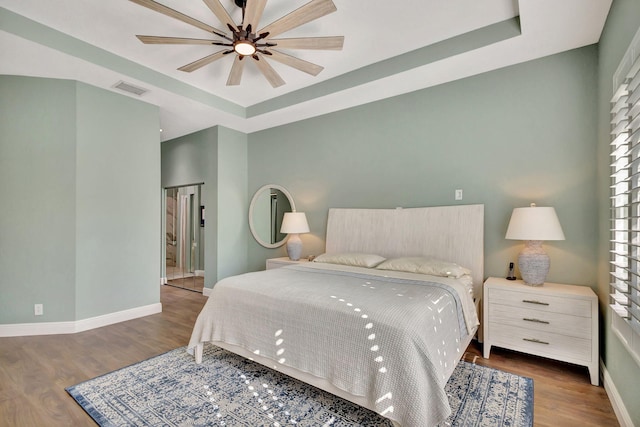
(381, 321)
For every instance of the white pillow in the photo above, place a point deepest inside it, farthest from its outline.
(423, 265)
(467, 281)
(355, 259)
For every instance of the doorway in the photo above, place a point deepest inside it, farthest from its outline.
(184, 237)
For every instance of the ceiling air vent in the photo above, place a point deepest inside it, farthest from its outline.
(128, 87)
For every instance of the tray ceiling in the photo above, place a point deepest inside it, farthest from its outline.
(389, 49)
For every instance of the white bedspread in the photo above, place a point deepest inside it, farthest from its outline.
(384, 336)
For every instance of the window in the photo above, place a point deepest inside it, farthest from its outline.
(625, 201)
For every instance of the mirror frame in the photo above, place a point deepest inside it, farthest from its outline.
(251, 208)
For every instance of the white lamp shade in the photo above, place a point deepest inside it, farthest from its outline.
(294, 222)
(534, 223)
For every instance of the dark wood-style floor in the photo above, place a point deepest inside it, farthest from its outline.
(34, 371)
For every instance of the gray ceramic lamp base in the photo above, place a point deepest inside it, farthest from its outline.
(294, 247)
(533, 263)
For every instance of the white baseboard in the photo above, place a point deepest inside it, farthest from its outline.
(199, 273)
(206, 291)
(71, 327)
(614, 397)
(28, 329)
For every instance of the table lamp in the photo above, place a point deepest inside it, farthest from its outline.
(293, 224)
(533, 225)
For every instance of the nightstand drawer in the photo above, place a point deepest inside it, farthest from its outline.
(541, 302)
(540, 343)
(537, 320)
(553, 320)
(283, 262)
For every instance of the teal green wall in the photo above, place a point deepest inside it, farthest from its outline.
(118, 203)
(79, 169)
(232, 202)
(522, 134)
(216, 157)
(622, 24)
(37, 199)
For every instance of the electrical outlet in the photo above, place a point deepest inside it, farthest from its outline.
(458, 195)
(38, 309)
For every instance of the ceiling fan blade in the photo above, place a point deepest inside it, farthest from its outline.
(236, 71)
(203, 61)
(171, 40)
(253, 12)
(313, 10)
(319, 43)
(272, 76)
(221, 13)
(297, 63)
(155, 6)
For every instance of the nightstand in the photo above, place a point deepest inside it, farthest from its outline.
(553, 320)
(282, 261)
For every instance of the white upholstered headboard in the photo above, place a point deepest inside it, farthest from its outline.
(450, 233)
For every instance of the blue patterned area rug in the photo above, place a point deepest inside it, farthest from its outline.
(227, 390)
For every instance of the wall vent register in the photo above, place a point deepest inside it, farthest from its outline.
(128, 87)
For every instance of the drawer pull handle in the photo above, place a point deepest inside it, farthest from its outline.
(535, 340)
(535, 320)
(534, 302)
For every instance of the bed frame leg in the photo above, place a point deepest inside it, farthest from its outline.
(198, 352)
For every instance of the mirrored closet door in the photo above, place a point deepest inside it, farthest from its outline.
(184, 252)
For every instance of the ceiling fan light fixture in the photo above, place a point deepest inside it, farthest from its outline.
(244, 48)
(244, 40)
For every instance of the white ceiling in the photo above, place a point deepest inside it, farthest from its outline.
(390, 48)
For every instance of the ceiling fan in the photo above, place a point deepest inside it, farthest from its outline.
(245, 42)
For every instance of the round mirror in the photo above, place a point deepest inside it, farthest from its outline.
(266, 212)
